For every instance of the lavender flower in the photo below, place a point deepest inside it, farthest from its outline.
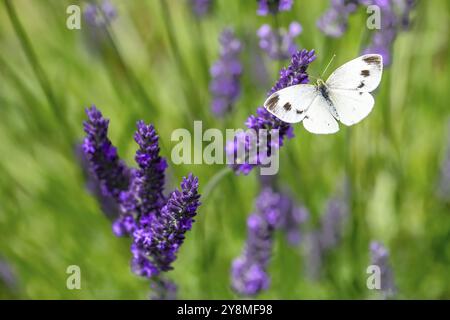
(273, 6)
(112, 173)
(279, 44)
(295, 73)
(257, 146)
(291, 218)
(380, 258)
(124, 225)
(158, 237)
(163, 289)
(249, 271)
(333, 223)
(149, 179)
(108, 204)
(263, 120)
(201, 7)
(226, 73)
(157, 224)
(145, 194)
(395, 18)
(444, 178)
(7, 275)
(334, 21)
(100, 15)
(328, 236)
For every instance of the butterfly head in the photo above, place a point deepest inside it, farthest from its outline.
(320, 84)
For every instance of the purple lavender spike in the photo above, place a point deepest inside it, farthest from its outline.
(295, 73)
(380, 257)
(273, 6)
(201, 7)
(279, 45)
(226, 73)
(249, 271)
(156, 242)
(111, 172)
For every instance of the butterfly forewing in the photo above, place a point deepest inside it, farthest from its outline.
(352, 106)
(290, 104)
(360, 74)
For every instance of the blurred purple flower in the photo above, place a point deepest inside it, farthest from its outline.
(394, 18)
(249, 271)
(259, 73)
(226, 73)
(334, 21)
(201, 7)
(263, 120)
(291, 218)
(444, 178)
(333, 223)
(327, 236)
(163, 289)
(380, 257)
(7, 275)
(100, 15)
(273, 211)
(279, 44)
(273, 6)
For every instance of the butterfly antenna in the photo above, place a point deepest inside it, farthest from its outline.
(329, 63)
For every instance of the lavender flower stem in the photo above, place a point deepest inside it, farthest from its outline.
(214, 181)
(276, 25)
(132, 81)
(37, 68)
(169, 26)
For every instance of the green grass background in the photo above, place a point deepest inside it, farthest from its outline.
(155, 67)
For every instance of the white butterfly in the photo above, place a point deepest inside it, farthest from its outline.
(344, 96)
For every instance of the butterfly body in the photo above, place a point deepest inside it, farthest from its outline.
(345, 96)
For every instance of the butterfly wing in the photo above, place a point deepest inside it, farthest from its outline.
(360, 74)
(351, 106)
(290, 104)
(319, 119)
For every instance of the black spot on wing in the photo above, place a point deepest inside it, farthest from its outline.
(365, 73)
(361, 85)
(372, 60)
(287, 106)
(272, 102)
(299, 111)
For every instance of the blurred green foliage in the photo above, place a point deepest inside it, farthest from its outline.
(154, 66)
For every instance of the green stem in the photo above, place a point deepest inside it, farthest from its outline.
(168, 22)
(131, 78)
(37, 68)
(276, 26)
(214, 181)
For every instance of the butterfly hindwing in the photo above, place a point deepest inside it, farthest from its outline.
(360, 74)
(290, 104)
(319, 119)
